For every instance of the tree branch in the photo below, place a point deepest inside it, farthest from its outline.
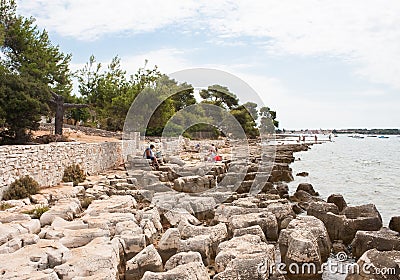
(70, 105)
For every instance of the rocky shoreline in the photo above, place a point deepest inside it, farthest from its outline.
(129, 224)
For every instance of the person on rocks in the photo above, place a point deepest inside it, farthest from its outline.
(149, 154)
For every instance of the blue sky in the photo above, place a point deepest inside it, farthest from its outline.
(319, 64)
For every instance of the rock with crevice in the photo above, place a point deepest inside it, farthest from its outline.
(108, 221)
(352, 219)
(175, 216)
(169, 243)
(307, 187)
(28, 260)
(338, 200)
(377, 265)
(248, 250)
(394, 223)
(146, 260)
(99, 259)
(382, 240)
(217, 233)
(81, 237)
(64, 208)
(253, 230)
(18, 242)
(305, 241)
(189, 271)
(114, 204)
(202, 244)
(267, 221)
(183, 258)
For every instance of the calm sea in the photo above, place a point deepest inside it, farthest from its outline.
(363, 170)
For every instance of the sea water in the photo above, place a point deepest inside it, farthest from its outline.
(364, 170)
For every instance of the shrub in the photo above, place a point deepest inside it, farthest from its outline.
(21, 188)
(5, 206)
(86, 202)
(74, 173)
(37, 212)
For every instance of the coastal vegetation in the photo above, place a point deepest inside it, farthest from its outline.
(21, 188)
(74, 173)
(33, 70)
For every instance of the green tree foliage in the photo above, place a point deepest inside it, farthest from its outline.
(219, 96)
(31, 66)
(268, 121)
(110, 93)
(174, 97)
(247, 115)
(77, 114)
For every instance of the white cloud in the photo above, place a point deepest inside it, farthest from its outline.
(365, 33)
(90, 19)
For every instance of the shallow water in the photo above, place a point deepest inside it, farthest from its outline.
(363, 170)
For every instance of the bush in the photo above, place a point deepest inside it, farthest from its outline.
(86, 202)
(37, 212)
(5, 206)
(74, 173)
(21, 188)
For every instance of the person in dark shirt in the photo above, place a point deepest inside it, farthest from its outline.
(149, 154)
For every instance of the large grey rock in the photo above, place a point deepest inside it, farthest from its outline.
(382, 240)
(394, 223)
(18, 242)
(61, 224)
(281, 210)
(247, 267)
(26, 262)
(194, 184)
(267, 221)
(190, 271)
(241, 258)
(8, 217)
(175, 216)
(305, 241)
(202, 244)
(10, 231)
(307, 187)
(217, 233)
(319, 209)
(200, 207)
(108, 221)
(338, 200)
(183, 258)
(169, 243)
(100, 259)
(114, 204)
(81, 237)
(253, 230)
(376, 265)
(352, 219)
(146, 260)
(66, 208)
(131, 236)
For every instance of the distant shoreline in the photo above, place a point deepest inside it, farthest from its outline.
(380, 131)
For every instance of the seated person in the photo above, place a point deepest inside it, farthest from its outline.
(149, 154)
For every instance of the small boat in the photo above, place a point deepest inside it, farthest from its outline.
(359, 137)
(372, 136)
(383, 137)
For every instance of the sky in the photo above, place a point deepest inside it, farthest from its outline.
(318, 63)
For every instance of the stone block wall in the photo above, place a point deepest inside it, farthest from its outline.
(46, 163)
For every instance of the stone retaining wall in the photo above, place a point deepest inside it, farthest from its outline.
(46, 163)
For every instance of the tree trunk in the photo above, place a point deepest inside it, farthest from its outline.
(59, 117)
